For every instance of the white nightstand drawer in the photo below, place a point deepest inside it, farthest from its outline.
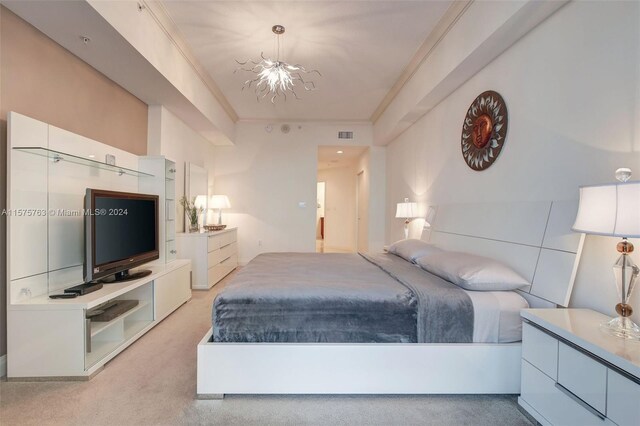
(583, 376)
(540, 349)
(623, 400)
(556, 406)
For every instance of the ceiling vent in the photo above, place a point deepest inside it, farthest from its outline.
(345, 135)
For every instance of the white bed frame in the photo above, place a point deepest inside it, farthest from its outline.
(534, 238)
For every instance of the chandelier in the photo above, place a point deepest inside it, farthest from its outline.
(274, 78)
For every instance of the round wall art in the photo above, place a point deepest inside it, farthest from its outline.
(484, 130)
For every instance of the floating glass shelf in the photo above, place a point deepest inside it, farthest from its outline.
(57, 156)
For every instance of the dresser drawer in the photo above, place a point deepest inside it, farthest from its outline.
(213, 243)
(228, 251)
(542, 394)
(228, 238)
(623, 400)
(222, 269)
(214, 257)
(583, 376)
(540, 349)
(221, 240)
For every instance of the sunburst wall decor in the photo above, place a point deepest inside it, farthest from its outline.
(484, 130)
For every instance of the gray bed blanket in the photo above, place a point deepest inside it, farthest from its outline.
(339, 298)
(445, 312)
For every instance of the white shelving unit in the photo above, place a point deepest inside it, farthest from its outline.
(162, 182)
(49, 170)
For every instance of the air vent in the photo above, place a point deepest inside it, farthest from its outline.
(345, 135)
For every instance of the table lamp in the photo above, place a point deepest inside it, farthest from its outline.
(614, 210)
(407, 211)
(219, 202)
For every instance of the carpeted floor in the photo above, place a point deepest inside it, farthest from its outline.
(153, 382)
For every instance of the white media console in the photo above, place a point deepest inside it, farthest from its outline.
(52, 338)
(48, 172)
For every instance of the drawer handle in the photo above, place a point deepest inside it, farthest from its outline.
(577, 399)
(172, 170)
(173, 252)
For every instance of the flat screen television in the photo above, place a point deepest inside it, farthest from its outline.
(121, 232)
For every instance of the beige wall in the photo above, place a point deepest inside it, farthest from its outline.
(40, 79)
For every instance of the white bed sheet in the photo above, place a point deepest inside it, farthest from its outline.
(497, 316)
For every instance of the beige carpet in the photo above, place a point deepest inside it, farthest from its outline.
(153, 382)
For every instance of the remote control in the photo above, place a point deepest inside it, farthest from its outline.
(64, 296)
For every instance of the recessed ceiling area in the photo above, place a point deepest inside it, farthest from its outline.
(360, 47)
(332, 157)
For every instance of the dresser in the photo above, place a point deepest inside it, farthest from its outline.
(575, 374)
(213, 255)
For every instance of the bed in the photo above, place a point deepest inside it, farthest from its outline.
(376, 323)
(357, 298)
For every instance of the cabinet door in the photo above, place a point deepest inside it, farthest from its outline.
(171, 291)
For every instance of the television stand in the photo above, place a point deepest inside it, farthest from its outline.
(126, 276)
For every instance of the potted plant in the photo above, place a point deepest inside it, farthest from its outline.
(192, 212)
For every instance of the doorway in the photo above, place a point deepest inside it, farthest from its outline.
(341, 185)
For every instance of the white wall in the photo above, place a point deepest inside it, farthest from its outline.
(320, 195)
(340, 210)
(171, 137)
(372, 164)
(267, 174)
(571, 88)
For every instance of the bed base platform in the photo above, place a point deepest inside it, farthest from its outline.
(344, 368)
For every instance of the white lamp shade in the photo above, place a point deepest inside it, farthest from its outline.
(612, 210)
(219, 202)
(201, 202)
(407, 210)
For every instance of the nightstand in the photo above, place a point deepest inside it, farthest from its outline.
(575, 374)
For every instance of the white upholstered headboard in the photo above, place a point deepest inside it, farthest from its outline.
(534, 238)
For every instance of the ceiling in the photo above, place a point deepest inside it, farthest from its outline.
(329, 158)
(360, 47)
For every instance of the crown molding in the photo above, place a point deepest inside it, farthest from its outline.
(164, 20)
(444, 25)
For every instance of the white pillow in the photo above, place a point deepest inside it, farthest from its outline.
(472, 272)
(412, 249)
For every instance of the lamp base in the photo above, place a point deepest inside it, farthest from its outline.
(622, 327)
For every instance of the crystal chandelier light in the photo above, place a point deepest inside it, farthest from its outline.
(274, 78)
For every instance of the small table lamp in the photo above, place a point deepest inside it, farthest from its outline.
(219, 202)
(407, 211)
(614, 210)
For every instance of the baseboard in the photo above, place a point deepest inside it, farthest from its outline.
(3, 365)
